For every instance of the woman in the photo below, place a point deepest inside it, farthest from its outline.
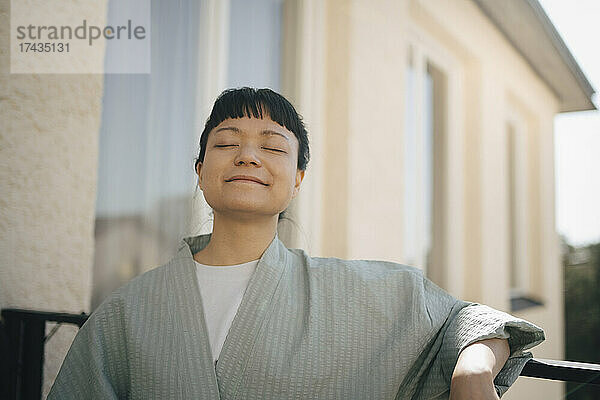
(237, 315)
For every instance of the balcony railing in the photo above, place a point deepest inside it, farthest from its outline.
(26, 331)
(26, 334)
(568, 371)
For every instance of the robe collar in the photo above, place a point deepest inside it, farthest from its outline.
(254, 312)
(273, 254)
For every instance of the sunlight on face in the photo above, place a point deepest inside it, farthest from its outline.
(250, 167)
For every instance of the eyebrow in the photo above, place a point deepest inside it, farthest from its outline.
(265, 132)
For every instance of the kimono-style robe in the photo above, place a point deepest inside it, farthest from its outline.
(307, 328)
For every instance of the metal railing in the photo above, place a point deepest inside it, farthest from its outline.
(26, 335)
(568, 371)
(26, 332)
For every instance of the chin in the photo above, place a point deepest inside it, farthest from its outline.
(246, 205)
(243, 208)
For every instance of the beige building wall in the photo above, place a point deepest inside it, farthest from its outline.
(360, 143)
(48, 156)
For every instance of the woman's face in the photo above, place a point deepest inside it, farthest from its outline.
(241, 150)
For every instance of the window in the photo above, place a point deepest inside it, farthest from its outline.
(423, 164)
(519, 212)
(255, 43)
(151, 126)
(147, 145)
(518, 280)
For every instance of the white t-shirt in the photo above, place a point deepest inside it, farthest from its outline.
(222, 289)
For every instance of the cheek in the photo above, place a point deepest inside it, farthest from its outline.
(211, 168)
(288, 175)
(208, 174)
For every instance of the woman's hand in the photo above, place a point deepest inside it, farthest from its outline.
(477, 366)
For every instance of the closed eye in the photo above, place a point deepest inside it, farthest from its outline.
(272, 149)
(225, 145)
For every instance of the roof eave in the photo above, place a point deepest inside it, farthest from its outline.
(529, 30)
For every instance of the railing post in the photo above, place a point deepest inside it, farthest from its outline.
(26, 359)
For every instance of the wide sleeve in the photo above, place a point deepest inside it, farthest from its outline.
(96, 365)
(474, 322)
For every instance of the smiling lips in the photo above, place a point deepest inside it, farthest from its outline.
(246, 179)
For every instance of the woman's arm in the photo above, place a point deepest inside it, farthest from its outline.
(477, 323)
(477, 366)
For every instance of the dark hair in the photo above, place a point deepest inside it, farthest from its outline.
(251, 102)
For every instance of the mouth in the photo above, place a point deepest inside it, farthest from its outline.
(246, 179)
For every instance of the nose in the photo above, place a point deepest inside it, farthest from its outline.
(247, 156)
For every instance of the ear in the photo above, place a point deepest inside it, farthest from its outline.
(199, 173)
(299, 178)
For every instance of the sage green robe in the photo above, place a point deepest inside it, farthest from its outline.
(307, 328)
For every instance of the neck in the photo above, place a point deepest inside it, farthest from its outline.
(236, 240)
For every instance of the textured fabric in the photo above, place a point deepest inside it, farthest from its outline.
(222, 289)
(306, 328)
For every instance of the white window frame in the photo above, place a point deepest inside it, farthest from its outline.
(427, 50)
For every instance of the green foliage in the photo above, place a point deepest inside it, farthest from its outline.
(582, 313)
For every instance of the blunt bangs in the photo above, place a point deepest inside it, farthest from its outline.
(256, 103)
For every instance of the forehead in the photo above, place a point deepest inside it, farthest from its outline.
(253, 126)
